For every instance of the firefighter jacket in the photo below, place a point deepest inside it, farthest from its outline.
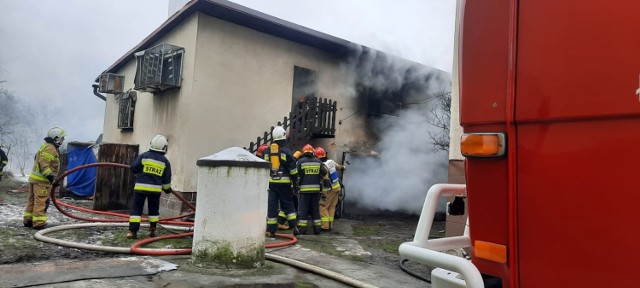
(287, 172)
(311, 173)
(153, 172)
(333, 168)
(46, 163)
(3, 160)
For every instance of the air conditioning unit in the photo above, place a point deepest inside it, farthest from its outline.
(126, 109)
(111, 83)
(159, 68)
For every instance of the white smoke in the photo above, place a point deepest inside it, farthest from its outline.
(405, 164)
(398, 178)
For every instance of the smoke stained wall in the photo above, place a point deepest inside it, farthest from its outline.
(387, 119)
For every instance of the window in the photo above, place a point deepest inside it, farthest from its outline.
(127, 104)
(159, 68)
(305, 85)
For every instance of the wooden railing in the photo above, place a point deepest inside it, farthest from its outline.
(314, 118)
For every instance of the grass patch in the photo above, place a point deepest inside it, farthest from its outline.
(391, 246)
(361, 230)
(15, 241)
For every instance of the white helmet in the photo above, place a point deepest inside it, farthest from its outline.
(159, 143)
(279, 133)
(57, 134)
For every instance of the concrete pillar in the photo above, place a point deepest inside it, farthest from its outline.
(231, 213)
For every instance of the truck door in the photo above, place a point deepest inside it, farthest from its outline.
(578, 115)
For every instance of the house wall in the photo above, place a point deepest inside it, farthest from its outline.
(455, 224)
(160, 113)
(237, 83)
(243, 83)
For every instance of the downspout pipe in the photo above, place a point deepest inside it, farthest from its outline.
(95, 92)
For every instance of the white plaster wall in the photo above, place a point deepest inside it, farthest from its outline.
(455, 130)
(160, 113)
(234, 198)
(237, 83)
(243, 84)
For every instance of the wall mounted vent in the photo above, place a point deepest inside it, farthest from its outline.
(111, 83)
(159, 68)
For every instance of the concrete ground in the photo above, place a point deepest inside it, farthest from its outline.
(363, 248)
(174, 271)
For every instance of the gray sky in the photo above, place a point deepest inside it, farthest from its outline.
(52, 50)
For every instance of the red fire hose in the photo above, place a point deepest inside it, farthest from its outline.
(135, 247)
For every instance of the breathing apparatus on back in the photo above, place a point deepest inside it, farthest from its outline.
(279, 134)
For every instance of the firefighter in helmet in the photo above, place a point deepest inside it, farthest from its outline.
(311, 173)
(330, 195)
(260, 151)
(153, 176)
(46, 166)
(282, 217)
(282, 179)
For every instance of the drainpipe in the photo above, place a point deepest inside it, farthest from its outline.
(95, 92)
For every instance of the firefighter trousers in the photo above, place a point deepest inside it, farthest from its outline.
(282, 217)
(328, 208)
(309, 204)
(280, 194)
(35, 213)
(153, 205)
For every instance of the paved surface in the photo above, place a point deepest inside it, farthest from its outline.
(175, 271)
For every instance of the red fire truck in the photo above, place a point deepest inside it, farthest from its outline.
(549, 104)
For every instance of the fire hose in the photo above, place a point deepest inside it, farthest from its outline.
(183, 226)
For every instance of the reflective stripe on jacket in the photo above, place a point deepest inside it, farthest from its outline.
(333, 173)
(153, 172)
(46, 162)
(311, 173)
(287, 168)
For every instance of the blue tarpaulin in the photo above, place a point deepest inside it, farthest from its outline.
(83, 181)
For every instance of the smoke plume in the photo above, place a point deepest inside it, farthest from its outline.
(396, 174)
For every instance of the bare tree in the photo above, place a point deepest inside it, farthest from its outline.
(440, 118)
(16, 137)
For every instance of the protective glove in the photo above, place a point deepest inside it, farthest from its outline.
(52, 180)
(168, 191)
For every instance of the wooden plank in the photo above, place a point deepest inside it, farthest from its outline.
(114, 185)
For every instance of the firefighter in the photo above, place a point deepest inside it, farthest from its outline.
(153, 175)
(260, 151)
(330, 196)
(282, 217)
(311, 173)
(46, 166)
(283, 177)
(3, 161)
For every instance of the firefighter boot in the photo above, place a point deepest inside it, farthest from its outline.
(283, 226)
(132, 235)
(316, 230)
(152, 229)
(296, 232)
(28, 223)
